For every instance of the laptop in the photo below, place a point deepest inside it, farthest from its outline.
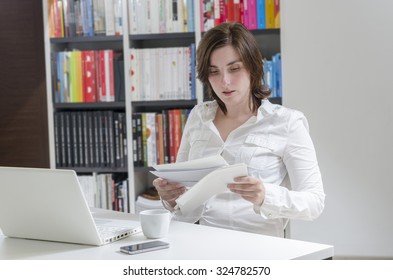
(48, 204)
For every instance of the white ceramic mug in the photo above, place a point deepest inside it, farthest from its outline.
(155, 222)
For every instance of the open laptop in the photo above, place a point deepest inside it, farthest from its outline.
(48, 204)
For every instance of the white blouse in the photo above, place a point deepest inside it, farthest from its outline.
(277, 148)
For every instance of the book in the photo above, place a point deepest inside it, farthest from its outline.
(252, 14)
(269, 11)
(89, 85)
(219, 12)
(159, 139)
(261, 14)
(277, 21)
(69, 18)
(132, 17)
(207, 14)
(99, 17)
(151, 143)
(118, 17)
(109, 18)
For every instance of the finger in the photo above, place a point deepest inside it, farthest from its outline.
(168, 187)
(246, 180)
(159, 182)
(243, 187)
(171, 195)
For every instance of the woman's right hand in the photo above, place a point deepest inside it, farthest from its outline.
(168, 191)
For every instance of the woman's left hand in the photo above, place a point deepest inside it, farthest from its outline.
(249, 188)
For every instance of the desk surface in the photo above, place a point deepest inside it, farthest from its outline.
(187, 242)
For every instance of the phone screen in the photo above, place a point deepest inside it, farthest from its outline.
(144, 247)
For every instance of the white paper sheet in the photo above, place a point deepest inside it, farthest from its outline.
(214, 183)
(184, 175)
(190, 172)
(202, 163)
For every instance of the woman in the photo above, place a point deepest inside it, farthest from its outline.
(240, 123)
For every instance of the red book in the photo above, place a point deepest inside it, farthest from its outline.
(236, 11)
(159, 139)
(97, 75)
(231, 10)
(102, 93)
(176, 130)
(88, 60)
(219, 12)
(277, 14)
(171, 124)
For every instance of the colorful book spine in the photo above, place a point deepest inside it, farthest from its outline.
(219, 12)
(277, 20)
(88, 59)
(269, 11)
(252, 14)
(261, 14)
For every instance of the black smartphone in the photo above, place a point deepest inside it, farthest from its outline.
(144, 247)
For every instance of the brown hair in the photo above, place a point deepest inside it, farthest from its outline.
(234, 34)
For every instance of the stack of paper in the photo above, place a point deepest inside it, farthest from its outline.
(189, 172)
(208, 176)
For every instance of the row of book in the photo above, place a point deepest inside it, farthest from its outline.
(254, 14)
(94, 139)
(161, 16)
(162, 73)
(85, 18)
(88, 76)
(106, 191)
(88, 18)
(273, 77)
(157, 136)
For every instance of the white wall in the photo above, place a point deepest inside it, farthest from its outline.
(338, 69)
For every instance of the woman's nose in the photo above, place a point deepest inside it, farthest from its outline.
(225, 80)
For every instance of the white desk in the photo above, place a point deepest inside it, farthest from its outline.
(187, 242)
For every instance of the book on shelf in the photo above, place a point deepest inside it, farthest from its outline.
(99, 17)
(254, 14)
(277, 18)
(151, 135)
(269, 11)
(160, 16)
(160, 155)
(273, 77)
(69, 18)
(88, 76)
(109, 18)
(85, 18)
(55, 18)
(105, 191)
(90, 139)
(119, 79)
(157, 136)
(162, 73)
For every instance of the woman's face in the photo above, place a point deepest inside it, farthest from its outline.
(228, 77)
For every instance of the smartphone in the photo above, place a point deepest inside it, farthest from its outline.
(144, 247)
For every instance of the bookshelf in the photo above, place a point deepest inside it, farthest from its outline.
(124, 44)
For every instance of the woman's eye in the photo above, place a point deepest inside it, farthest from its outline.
(233, 69)
(213, 72)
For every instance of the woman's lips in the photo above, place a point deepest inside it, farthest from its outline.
(228, 92)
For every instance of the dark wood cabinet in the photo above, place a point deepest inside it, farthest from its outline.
(23, 106)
